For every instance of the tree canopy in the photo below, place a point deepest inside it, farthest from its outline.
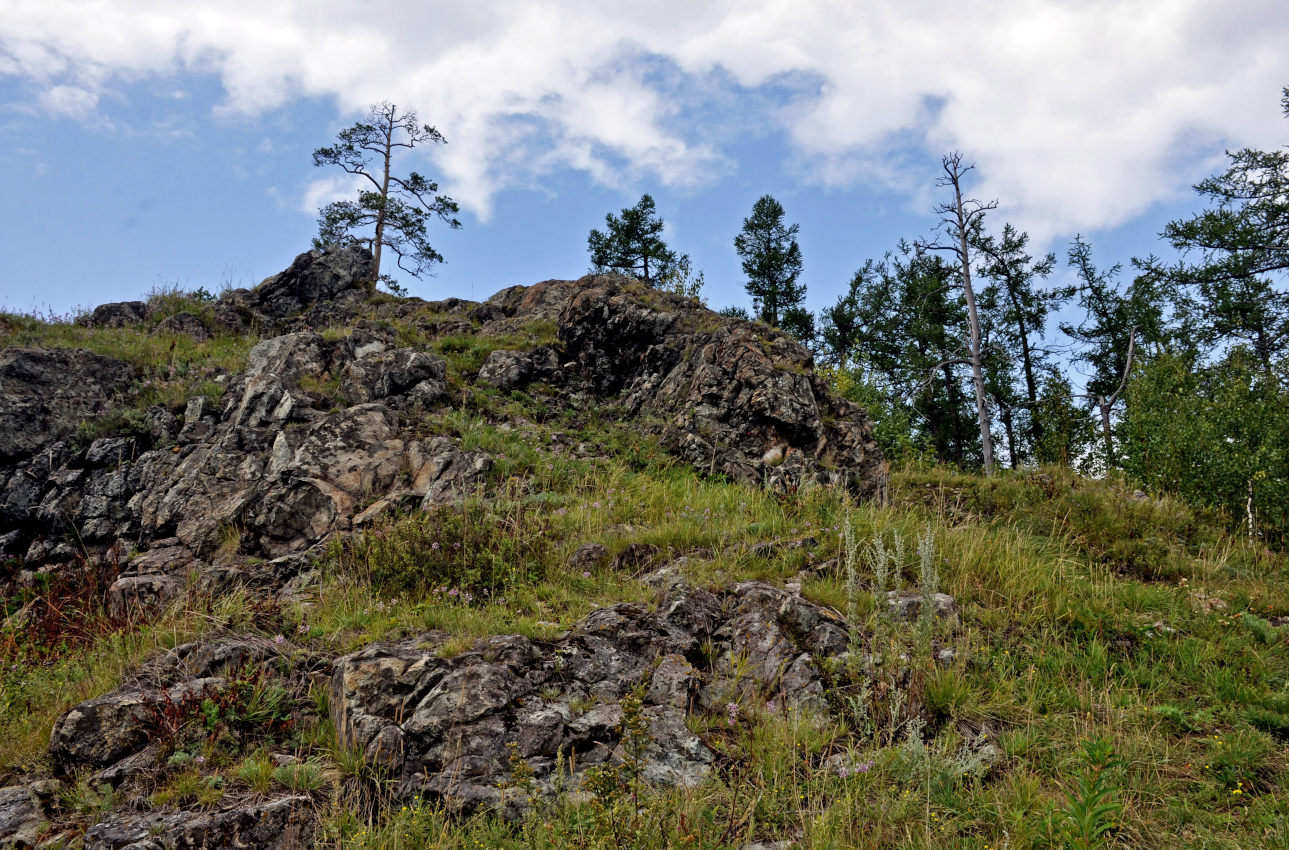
(771, 261)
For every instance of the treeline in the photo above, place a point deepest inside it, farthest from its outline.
(1173, 373)
(964, 350)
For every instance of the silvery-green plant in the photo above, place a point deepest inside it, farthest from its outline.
(929, 585)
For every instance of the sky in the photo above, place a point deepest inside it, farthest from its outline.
(148, 144)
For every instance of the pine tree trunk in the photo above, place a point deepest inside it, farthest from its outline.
(384, 195)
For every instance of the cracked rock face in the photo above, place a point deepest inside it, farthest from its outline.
(46, 393)
(741, 399)
(441, 725)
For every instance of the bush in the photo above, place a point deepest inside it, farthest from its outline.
(476, 548)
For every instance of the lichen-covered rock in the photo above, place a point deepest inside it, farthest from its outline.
(332, 274)
(106, 729)
(506, 370)
(187, 324)
(285, 823)
(381, 374)
(46, 393)
(21, 822)
(119, 314)
(441, 725)
(141, 595)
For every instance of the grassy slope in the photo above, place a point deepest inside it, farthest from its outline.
(1085, 615)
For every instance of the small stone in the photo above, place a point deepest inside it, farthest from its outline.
(910, 605)
(588, 555)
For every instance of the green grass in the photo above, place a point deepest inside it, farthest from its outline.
(1118, 656)
(1177, 670)
(1184, 677)
(172, 368)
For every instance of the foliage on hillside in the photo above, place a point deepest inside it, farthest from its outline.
(1118, 674)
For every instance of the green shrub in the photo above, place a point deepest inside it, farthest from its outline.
(470, 550)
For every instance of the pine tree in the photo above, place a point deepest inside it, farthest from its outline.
(632, 245)
(772, 263)
(396, 209)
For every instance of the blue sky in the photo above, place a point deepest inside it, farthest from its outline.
(150, 143)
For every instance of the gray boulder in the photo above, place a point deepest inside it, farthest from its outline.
(315, 276)
(506, 370)
(381, 374)
(285, 823)
(46, 393)
(102, 731)
(21, 822)
(119, 314)
(187, 324)
(141, 595)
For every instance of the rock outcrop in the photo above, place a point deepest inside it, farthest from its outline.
(318, 435)
(337, 417)
(45, 394)
(440, 725)
(731, 390)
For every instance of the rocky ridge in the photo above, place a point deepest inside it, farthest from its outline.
(320, 434)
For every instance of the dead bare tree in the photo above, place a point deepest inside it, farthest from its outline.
(1106, 404)
(960, 219)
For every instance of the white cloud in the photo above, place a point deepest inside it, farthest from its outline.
(1079, 114)
(69, 102)
(318, 193)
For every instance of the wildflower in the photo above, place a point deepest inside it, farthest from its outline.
(200, 760)
(843, 771)
(586, 573)
(278, 638)
(452, 592)
(731, 713)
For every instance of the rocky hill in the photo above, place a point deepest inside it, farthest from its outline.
(337, 418)
(584, 565)
(326, 425)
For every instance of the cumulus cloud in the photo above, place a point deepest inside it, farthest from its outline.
(1079, 114)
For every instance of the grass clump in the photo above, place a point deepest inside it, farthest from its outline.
(461, 553)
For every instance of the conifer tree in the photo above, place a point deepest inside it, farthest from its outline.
(396, 209)
(632, 244)
(772, 263)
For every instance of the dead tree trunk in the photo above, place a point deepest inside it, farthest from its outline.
(958, 221)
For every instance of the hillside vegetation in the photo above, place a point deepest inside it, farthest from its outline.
(1032, 660)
